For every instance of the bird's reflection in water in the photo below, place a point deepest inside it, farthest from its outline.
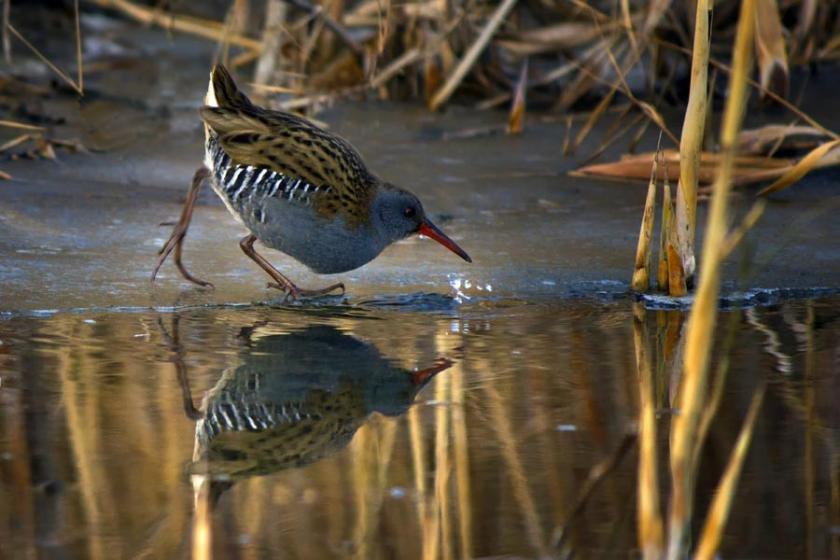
(293, 399)
(297, 398)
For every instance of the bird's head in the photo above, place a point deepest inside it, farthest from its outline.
(397, 214)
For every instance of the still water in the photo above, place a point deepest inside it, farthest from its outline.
(427, 430)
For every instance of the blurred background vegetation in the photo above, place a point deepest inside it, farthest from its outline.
(558, 55)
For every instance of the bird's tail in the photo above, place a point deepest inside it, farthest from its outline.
(222, 91)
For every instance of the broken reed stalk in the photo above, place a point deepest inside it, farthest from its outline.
(703, 317)
(664, 228)
(641, 270)
(691, 141)
(454, 79)
(676, 271)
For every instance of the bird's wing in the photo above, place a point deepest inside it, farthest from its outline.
(290, 146)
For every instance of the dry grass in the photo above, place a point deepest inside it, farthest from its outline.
(476, 51)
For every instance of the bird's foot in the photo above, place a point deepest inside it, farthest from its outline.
(175, 242)
(293, 292)
(179, 232)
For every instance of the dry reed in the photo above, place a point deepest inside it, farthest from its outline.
(641, 272)
(691, 141)
(702, 320)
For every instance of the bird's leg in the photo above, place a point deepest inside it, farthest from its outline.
(177, 358)
(176, 239)
(280, 281)
(283, 283)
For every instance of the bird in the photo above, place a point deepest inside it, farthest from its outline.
(296, 188)
(296, 398)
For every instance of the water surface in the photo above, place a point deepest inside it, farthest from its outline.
(420, 428)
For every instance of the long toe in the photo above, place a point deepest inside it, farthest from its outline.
(323, 291)
(201, 283)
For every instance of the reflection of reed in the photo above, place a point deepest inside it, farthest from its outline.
(361, 491)
(772, 343)
(442, 468)
(202, 524)
(462, 467)
(522, 446)
(418, 460)
(649, 518)
(82, 428)
(809, 476)
(516, 472)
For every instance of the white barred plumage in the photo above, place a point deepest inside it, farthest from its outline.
(240, 183)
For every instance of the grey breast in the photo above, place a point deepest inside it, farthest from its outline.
(278, 210)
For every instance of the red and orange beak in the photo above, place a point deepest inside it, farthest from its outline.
(431, 231)
(424, 375)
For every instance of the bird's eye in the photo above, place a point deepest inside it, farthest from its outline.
(409, 212)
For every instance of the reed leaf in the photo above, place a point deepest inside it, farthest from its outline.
(722, 503)
(757, 140)
(747, 169)
(821, 156)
